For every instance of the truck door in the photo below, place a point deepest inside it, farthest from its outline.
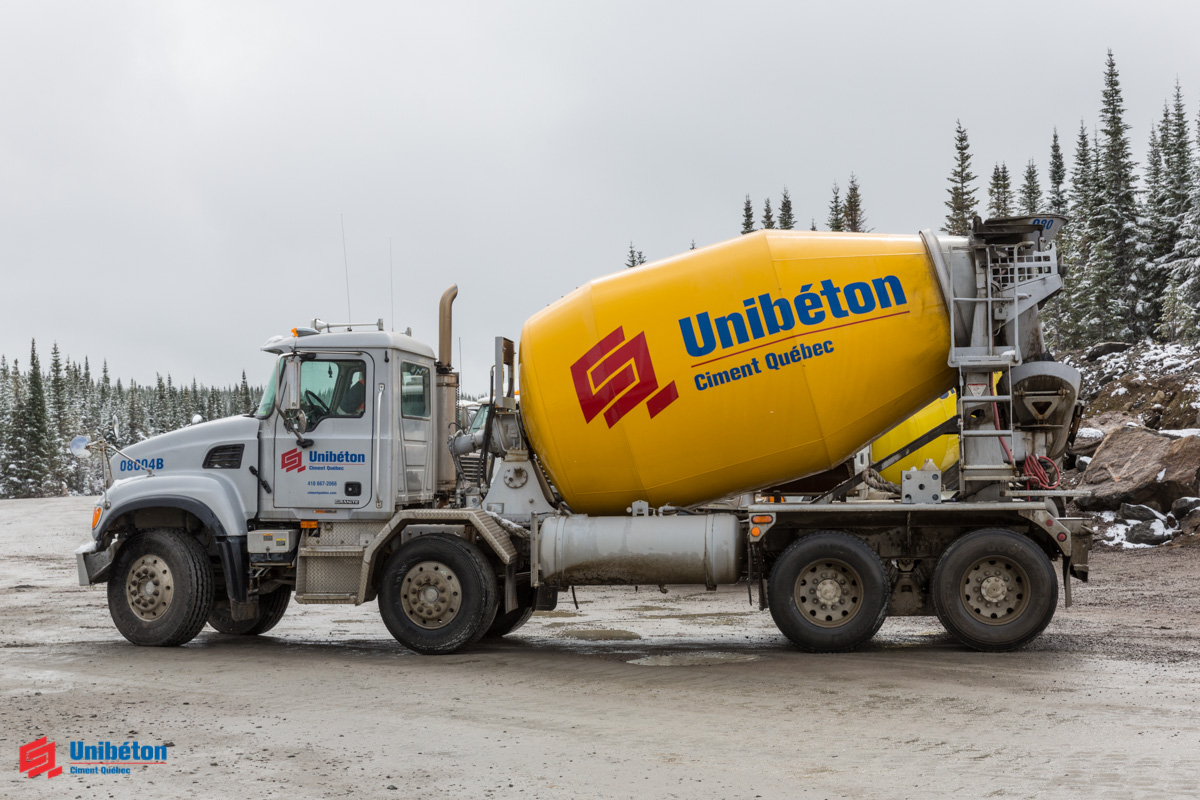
(337, 396)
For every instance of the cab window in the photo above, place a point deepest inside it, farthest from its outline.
(414, 390)
(332, 389)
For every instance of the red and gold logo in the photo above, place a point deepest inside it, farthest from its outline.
(615, 376)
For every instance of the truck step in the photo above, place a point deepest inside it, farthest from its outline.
(327, 598)
(332, 550)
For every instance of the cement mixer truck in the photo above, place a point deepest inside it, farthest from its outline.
(703, 420)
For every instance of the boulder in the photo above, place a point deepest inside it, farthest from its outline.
(1184, 506)
(1139, 466)
(1190, 525)
(1138, 513)
(1104, 349)
(1148, 533)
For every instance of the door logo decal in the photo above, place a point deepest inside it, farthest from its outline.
(615, 376)
(292, 460)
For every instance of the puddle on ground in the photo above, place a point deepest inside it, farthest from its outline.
(600, 635)
(693, 659)
(557, 614)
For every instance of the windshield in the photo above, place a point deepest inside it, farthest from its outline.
(267, 404)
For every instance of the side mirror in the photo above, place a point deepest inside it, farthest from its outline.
(79, 447)
(290, 401)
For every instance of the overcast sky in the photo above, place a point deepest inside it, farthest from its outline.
(172, 176)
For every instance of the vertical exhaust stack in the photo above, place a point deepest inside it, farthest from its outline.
(447, 393)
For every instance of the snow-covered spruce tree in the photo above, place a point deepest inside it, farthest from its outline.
(135, 429)
(62, 465)
(836, 221)
(1000, 197)
(6, 418)
(1176, 144)
(961, 204)
(1074, 318)
(853, 216)
(1121, 282)
(787, 220)
(768, 219)
(1156, 235)
(1031, 190)
(1057, 174)
(813, 225)
(31, 435)
(1182, 321)
(246, 397)
(747, 216)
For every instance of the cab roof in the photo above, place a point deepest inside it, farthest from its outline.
(349, 340)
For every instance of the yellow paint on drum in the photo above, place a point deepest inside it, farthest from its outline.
(737, 366)
(943, 450)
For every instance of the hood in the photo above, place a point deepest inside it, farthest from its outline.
(186, 449)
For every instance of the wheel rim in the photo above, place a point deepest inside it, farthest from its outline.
(995, 590)
(149, 587)
(431, 595)
(829, 593)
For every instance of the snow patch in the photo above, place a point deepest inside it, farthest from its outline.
(1161, 474)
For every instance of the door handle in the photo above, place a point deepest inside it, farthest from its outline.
(378, 444)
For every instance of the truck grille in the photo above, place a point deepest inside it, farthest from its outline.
(227, 456)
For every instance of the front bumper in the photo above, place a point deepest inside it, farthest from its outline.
(93, 563)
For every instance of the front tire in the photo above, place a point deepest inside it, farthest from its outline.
(994, 590)
(506, 623)
(828, 592)
(271, 607)
(161, 590)
(438, 594)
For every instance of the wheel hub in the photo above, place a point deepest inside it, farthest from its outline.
(828, 593)
(149, 587)
(431, 594)
(995, 590)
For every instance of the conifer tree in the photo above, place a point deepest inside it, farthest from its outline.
(1000, 192)
(633, 259)
(768, 219)
(1157, 241)
(747, 217)
(693, 247)
(1181, 314)
(836, 221)
(1057, 201)
(31, 435)
(1031, 190)
(786, 220)
(60, 462)
(813, 227)
(1176, 146)
(854, 219)
(961, 204)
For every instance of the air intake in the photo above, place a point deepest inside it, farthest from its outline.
(227, 456)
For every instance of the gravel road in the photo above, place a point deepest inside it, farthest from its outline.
(637, 694)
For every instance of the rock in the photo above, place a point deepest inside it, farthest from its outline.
(1104, 349)
(1139, 466)
(1148, 533)
(1138, 513)
(1159, 397)
(1184, 506)
(1190, 525)
(1082, 462)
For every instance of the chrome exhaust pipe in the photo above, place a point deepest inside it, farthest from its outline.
(445, 340)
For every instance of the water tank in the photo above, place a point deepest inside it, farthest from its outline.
(752, 362)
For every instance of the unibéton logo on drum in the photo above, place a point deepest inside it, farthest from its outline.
(615, 376)
(292, 460)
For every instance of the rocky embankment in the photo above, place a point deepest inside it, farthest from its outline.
(1138, 451)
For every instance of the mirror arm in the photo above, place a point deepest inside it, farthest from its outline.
(300, 440)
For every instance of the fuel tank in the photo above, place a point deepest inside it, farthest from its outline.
(755, 361)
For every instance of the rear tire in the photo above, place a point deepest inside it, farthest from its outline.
(438, 594)
(271, 607)
(506, 623)
(828, 592)
(994, 590)
(161, 589)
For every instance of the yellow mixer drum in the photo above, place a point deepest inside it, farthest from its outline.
(943, 451)
(752, 362)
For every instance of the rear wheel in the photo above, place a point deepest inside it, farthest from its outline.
(438, 594)
(507, 622)
(994, 590)
(161, 589)
(271, 607)
(828, 592)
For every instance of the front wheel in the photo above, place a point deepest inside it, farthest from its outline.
(828, 592)
(438, 594)
(271, 607)
(161, 589)
(994, 590)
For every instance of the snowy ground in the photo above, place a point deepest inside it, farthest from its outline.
(679, 695)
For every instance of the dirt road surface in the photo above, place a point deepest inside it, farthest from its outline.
(637, 694)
